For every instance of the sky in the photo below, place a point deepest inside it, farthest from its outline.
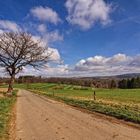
(87, 37)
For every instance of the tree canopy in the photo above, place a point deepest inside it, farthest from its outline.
(18, 50)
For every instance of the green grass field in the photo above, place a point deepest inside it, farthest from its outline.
(6, 105)
(120, 103)
(118, 95)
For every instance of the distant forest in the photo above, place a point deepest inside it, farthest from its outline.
(129, 83)
(110, 83)
(126, 83)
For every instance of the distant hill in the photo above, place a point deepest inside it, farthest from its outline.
(122, 76)
(130, 75)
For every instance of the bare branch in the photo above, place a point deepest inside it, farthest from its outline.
(18, 50)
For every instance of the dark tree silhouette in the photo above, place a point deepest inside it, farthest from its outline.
(113, 84)
(122, 84)
(18, 50)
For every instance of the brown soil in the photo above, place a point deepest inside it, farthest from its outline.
(3, 89)
(1, 95)
(1, 92)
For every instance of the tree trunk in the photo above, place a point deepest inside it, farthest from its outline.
(10, 87)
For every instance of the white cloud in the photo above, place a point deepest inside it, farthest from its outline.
(1, 31)
(85, 13)
(49, 36)
(92, 66)
(7, 25)
(41, 28)
(135, 61)
(47, 69)
(53, 36)
(54, 55)
(117, 64)
(45, 14)
(29, 71)
(58, 70)
(119, 59)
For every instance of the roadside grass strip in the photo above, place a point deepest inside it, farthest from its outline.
(6, 105)
(124, 112)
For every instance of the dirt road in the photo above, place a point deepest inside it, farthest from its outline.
(45, 119)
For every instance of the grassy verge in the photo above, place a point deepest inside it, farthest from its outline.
(124, 112)
(129, 96)
(6, 105)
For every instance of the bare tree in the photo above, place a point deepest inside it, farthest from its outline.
(18, 50)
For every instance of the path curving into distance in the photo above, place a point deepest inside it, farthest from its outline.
(39, 118)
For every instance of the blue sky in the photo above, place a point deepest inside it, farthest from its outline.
(108, 29)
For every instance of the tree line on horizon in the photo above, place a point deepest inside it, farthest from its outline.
(129, 83)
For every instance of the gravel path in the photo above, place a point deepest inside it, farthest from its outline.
(44, 119)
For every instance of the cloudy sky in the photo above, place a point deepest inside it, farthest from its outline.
(87, 37)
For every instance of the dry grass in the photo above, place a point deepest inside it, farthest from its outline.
(2, 90)
(1, 95)
(6, 107)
